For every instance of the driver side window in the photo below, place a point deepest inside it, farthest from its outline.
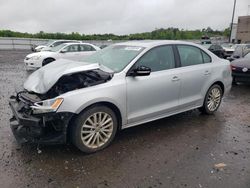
(158, 59)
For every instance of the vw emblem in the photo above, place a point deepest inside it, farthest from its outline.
(245, 69)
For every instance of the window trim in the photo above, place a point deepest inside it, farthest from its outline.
(201, 50)
(92, 48)
(174, 53)
(70, 46)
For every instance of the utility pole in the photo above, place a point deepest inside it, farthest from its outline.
(232, 22)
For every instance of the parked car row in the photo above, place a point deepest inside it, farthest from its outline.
(222, 51)
(126, 84)
(228, 51)
(240, 51)
(73, 51)
(239, 55)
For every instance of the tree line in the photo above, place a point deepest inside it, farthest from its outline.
(169, 33)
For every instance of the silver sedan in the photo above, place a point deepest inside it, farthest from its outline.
(121, 86)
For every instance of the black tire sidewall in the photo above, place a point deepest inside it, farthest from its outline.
(205, 108)
(47, 61)
(77, 126)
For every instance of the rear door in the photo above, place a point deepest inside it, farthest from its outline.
(157, 94)
(71, 52)
(195, 74)
(85, 50)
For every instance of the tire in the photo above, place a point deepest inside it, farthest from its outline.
(88, 137)
(212, 100)
(47, 61)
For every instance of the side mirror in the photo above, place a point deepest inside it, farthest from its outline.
(63, 50)
(141, 71)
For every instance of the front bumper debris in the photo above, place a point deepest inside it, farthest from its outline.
(49, 128)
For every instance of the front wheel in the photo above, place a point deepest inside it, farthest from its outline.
(94, 129)
(212, 100)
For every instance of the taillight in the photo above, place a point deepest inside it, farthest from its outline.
(232, 67)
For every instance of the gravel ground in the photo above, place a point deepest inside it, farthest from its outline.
(179, 151)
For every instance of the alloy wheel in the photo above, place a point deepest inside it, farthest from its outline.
(97, 130)
(214, 98)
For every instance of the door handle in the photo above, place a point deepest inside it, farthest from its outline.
(175, 78)
(207, 72)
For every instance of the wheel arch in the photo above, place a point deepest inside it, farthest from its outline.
(221, 85)
(47, 59)
(110, 105)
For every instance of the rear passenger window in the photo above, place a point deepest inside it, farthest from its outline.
(86, 48)
(190, 55)
(159, 58)
(206, 58)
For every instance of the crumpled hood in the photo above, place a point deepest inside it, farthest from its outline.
(44, 78)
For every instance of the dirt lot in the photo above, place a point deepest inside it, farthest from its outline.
(178, 151)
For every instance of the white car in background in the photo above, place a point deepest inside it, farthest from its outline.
(72, 51)
(228, 49)
(52, 43)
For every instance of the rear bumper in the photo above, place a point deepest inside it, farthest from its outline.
(241, 77)
(44, 129)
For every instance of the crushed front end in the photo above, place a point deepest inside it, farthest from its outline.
(27, 125)
(35, 117)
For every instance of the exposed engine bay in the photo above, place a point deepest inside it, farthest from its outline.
(75, 81)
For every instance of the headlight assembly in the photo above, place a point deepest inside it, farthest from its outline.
(36, 57)
(46, 106)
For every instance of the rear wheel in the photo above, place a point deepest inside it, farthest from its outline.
(47, 61)
(94, 129)
(212, 100)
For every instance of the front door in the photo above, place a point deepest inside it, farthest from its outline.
(157, 94)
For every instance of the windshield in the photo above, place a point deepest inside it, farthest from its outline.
(57, 48)
(49, 42)
(115, 57)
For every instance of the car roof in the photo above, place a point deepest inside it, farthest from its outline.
(152, 43)
(69, 43)
(63, 40)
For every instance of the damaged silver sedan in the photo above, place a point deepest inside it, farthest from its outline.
(120, 86)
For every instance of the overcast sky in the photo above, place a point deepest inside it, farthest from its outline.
(116, 16)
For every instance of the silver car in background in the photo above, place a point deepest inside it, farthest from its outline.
(121, 86)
